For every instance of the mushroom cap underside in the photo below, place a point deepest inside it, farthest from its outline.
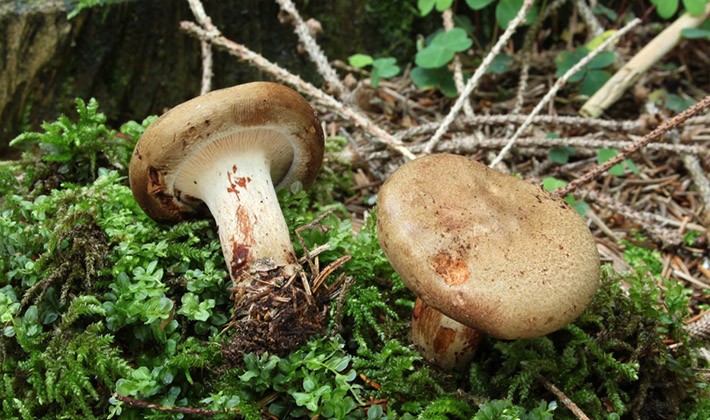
(216, 117)
(487, 249)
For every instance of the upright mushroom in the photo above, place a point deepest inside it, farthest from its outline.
(490, 251)
(229, 150)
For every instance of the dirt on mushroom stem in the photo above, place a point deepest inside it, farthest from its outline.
(274, 314)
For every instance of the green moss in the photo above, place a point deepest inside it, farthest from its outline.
(97, 299)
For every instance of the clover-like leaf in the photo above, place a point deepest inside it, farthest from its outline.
(478, 4)
(426, 6)
(442, 48)
(602, 60)
(593, 81)
(501, 63)
(560, 155)
(566, 60)
(439, 78)
(694, 7)
(551, 183)
(383, 68)
(360, 60)
(665, 8)
(508, 9)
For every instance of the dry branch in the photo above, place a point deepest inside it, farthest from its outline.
(448, 19)
(564, 399)
(470, 144)
(628, 126)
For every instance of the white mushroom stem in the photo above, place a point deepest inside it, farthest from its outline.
(443, 341)
(236, 185)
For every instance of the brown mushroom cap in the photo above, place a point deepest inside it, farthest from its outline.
(486, 249)
(295, 142)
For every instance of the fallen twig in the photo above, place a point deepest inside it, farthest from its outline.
(448, 19)
(564, 399)
(174, 409)
(472, 143)
(700, 328)
(628, 126)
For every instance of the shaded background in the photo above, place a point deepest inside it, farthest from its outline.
(131, 56)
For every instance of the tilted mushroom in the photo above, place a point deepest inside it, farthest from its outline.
(489, 251)
(229, 150)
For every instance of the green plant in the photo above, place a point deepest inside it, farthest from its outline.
(551, 184)
(593, 75)
(668, 8)
(382, 68)
(77, 147)
(702, 32)
(619, 169)
(99, 304)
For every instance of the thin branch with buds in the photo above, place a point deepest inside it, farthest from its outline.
(628, 126)
(448, 19)
(314, 51)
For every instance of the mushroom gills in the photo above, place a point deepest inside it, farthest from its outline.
(232, 176)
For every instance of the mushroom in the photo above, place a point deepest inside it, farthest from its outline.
(229, 150)
(493, 253)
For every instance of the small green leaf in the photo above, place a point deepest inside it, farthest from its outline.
(442, 5)
(599, 39)
(678, 103)
(501, 64)
(308, 384)
(508, 9)
(617, 170)
(602, 60)
(478, 4)
(666, 8)
(632, 166)
(560, 155)
(383, 68)
(552, 183)
(593, 81)
(566, 60)
(695, 33)
(439, 78)
(694, 7)
(580, 206)
(605, 154)
(425, 6)
(442, 48)
(360, 60)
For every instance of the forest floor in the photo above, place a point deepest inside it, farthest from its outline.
(148, 287)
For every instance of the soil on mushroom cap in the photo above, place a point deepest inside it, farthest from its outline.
(276, 317)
